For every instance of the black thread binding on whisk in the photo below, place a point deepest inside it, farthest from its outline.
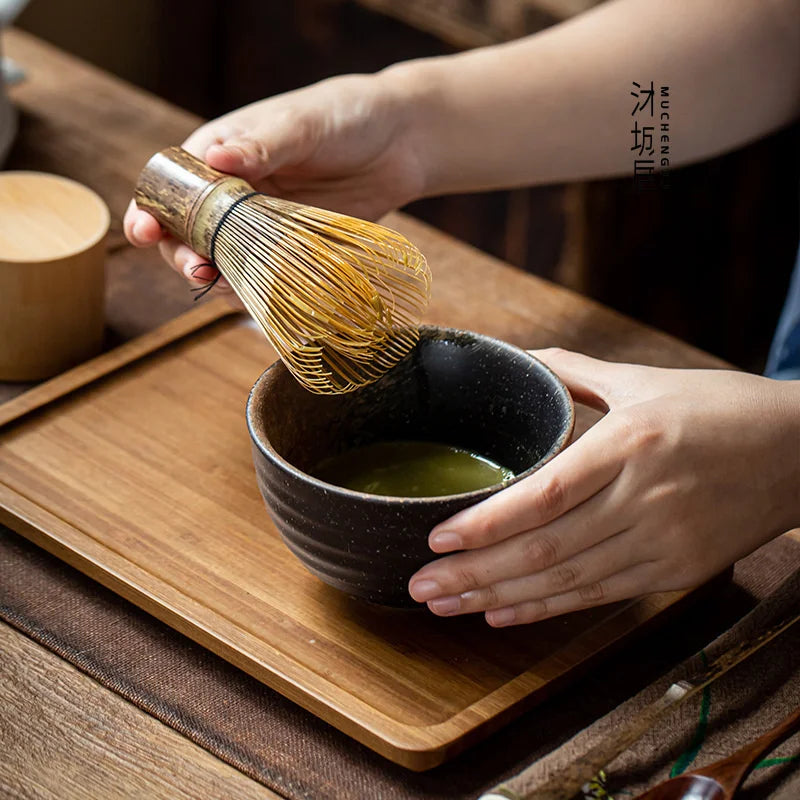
(204, 290)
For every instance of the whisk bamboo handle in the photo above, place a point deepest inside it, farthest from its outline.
(339, 298)
(187, 197)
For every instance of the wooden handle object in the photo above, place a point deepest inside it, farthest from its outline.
(722, 779)
(187, 197)
(52, 254)
(567, 782)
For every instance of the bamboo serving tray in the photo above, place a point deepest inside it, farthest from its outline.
(136, 469)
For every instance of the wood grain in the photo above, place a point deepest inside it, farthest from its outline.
(46, 217)
(52, 280)
(114, 359)
(173, 186)
(58, 746)
(145, 482)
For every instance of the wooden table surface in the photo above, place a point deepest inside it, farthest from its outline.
(80, 122)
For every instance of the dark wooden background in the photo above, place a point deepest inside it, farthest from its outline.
(707, 260)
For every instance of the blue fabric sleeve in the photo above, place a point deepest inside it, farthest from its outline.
(784, 355)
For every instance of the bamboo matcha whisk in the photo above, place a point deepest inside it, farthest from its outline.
(339, 298)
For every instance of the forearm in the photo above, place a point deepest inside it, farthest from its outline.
(556, 106)
(787, 407)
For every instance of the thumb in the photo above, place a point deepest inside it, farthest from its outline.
(599, 384)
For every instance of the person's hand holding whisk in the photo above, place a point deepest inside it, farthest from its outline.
(690, 469)
(345, 144)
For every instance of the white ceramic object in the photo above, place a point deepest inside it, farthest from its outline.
(8, 118)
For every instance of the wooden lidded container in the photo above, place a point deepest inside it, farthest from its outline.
(52, 279)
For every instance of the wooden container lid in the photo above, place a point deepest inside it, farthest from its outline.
(47, 217)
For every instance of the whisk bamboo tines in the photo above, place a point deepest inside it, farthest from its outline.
(339, 298)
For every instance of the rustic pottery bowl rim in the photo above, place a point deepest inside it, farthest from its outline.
(441, 332)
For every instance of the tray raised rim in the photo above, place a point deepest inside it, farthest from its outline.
(417, 747)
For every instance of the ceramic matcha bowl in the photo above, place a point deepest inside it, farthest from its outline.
(456, 387)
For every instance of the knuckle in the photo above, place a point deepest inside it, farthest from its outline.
(648, 438)
(533, 610)
(483, 529)
(466, 579)
(643, 434)
(541, 551)
(166, 247)
(593, 593)
(480, 599)
(684, 573)
(306, 129)
(566, 576)
(659, 493)
(530, 611)
(492, 597)
(552, 495)
(302, 125)
(259, 151)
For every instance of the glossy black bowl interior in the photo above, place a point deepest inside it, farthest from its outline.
(455, 387)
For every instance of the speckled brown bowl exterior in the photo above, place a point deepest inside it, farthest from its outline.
(456, 387)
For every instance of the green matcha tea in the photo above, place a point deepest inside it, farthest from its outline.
(411, 469)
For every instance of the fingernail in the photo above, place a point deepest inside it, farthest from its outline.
(445, 605)
(201, 272)
(500, 617)
(137, 231)
(444, 541)
(240, 152)
(425, 590)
